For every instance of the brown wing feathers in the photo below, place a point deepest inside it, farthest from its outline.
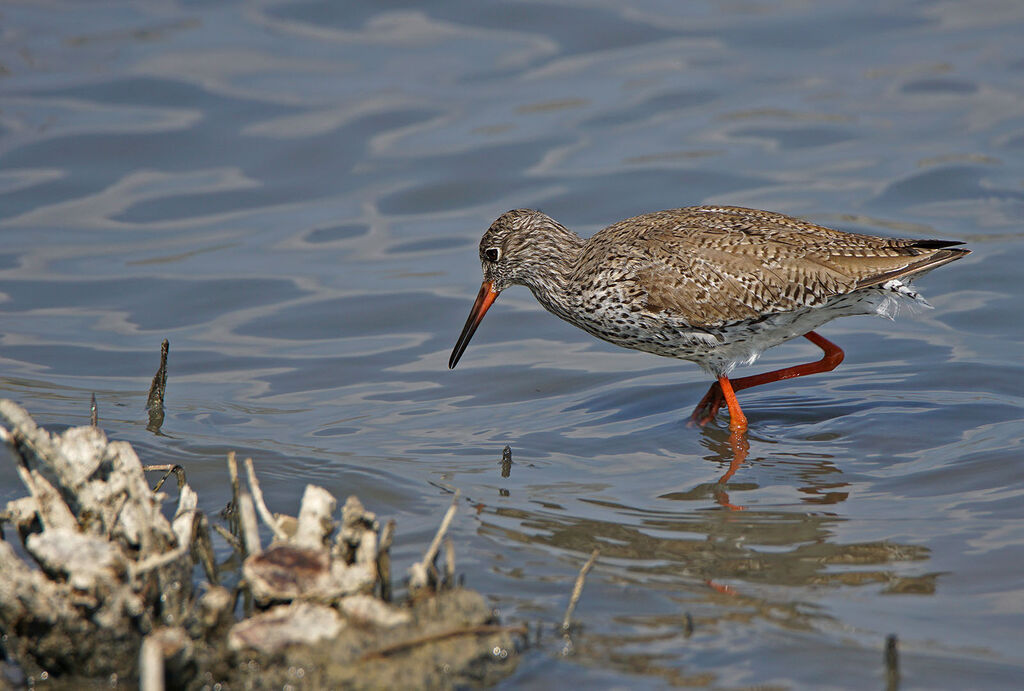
(713, 265)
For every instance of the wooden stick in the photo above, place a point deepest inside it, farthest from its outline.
(233, 474)
(247, 521)
(168, 468)
(422, 573)
(431, 553)
(202, 546)
(506, 461)
(157, 390)
(158, 387)
(892, 663)
(226, 534)
(261, 506)
(577, 590)
(479, 630)
(232, 516)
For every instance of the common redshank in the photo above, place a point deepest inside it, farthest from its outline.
(716, 285)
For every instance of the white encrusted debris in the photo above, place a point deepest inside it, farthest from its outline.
(315, 523)
(367, 609)
(284, 625)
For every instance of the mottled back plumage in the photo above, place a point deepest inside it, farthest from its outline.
(713, 284)
(714, 265)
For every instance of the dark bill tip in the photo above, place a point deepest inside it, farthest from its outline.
(484, 299)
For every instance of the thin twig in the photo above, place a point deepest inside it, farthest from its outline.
(892, 663)
(233, 474)
(577, 590)
(261, 506)
(443, 488)
(480, 630)
(231, 516)
(431, 553)
(168, 468)
(202, 546)
(94, 413)
(226, 534)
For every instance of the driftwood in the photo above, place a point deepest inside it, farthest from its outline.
(102, 585)
(577, 591)
(111, 565)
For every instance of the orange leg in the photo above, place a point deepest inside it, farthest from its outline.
(723, 391)
(737, 420)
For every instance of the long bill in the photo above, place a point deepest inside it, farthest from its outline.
(484, 299)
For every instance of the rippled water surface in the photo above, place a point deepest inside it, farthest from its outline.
(292, 194)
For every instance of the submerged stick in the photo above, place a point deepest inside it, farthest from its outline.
(506, 461)
(155, 400)
(401, 646)
(577, 590)
(159, 386)
(892, 663)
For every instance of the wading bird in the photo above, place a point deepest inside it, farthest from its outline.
(716, 285)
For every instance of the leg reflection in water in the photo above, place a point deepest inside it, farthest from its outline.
(739, 447)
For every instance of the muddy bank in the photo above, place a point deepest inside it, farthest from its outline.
(99, 583)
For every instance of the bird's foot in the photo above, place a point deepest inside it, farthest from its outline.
(708, 407)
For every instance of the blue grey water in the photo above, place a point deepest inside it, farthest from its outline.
(292, 193)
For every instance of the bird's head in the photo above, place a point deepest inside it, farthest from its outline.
(517, 246)
(520, 248)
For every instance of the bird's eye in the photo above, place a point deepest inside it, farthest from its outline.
(492, 254)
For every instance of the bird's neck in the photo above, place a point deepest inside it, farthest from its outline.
(550, 278)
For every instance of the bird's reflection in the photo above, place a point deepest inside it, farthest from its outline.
(729, 449)
(762, 545)
(740, 563)
(738, 448)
